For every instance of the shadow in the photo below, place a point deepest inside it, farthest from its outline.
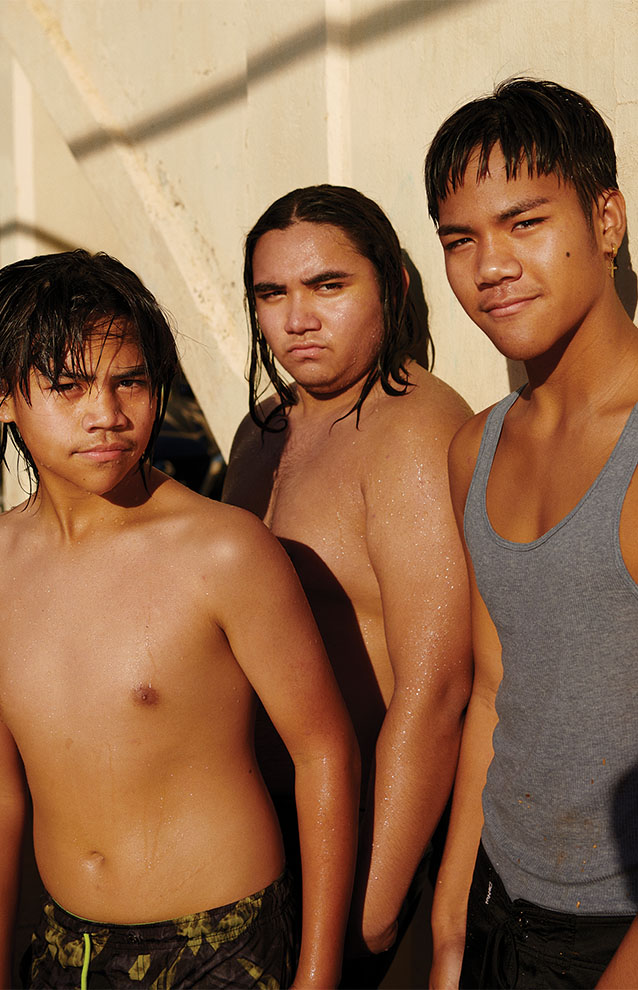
(385, 21)
(626, 281)
(185, 448)
(423, 347)
(56, 243)
(341, 635)
(625, 815)
(516, 374)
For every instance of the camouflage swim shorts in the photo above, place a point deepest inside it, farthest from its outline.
(247, 944)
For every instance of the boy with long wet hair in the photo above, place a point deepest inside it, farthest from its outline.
(46, 304)
(538, 882)
(369, 229)
(136, 631)
(347, 464)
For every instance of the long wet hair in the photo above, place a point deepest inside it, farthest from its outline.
(538, 124)
(50, 305)
(373, 236)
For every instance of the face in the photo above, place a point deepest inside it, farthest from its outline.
(88, 434)
(318, 306)
(522, 259)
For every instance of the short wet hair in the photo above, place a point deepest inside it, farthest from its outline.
(374, 237)
(51, 304)
(538, 123)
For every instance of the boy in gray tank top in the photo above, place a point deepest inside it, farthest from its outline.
(539, 881)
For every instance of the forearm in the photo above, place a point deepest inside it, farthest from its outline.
(11, 841)
(622, 971)
(449, 909)
(416, 757)
(327, 796)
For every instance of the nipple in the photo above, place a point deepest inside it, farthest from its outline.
(144, 694)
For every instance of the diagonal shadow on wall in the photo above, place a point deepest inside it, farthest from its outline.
(379, 23)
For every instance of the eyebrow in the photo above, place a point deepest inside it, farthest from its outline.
(522, 207)
(327, 276)
(135, 372)
(515, 210)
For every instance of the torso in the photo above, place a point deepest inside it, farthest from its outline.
(312, 484)
(132, 716)
(543, 538)
(537, 479)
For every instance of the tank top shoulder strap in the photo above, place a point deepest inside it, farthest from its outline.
(623, 459)
(491, 435)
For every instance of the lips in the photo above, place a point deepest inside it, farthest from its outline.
(507, 306)
(305, 350)
(105, 451)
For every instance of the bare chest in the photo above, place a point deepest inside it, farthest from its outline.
(317, 508)
(108, 652)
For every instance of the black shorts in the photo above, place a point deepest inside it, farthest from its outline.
(247, 944)
(517, 944)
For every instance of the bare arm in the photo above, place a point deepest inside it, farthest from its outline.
(12, 814)
(449, 911)
(282, 654)
(622, 971)
(417, 557)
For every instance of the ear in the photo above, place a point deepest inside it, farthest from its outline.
(7, 409)
(610, 218)
(406, 280)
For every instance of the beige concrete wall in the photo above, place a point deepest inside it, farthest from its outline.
(159, 129)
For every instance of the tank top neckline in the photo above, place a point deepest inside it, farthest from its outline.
(503, 408)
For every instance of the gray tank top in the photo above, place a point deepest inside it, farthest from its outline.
(561, 799)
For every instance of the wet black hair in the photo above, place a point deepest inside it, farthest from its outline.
(553, 130)
(51, 304)
(374, 237)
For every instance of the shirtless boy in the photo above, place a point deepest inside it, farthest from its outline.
(522, 188)
(347, 466)
(138, 620)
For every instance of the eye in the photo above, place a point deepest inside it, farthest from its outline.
(529, 223)
(270, 294)
(63, 388)
(330, 286)
(129, 383)
(454, 245)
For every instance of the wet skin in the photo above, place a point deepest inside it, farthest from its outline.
(128, 676)
(365, 516)
(533, 273)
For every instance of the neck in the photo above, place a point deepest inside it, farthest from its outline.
(77, 514)
(324, 405)
(592, 365)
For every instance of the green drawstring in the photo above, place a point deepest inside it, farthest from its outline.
(85, 963)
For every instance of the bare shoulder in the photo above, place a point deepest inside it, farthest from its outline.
(415, 429)
(223, 534)
(247, 433)
(13, 523)
(250, 437)
(253, 457)
(431, 406)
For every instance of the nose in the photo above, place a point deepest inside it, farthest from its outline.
(103, 410)
(495, 261)
(300, 314)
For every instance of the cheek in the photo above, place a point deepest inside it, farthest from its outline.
(268, 325)
(459, 278)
